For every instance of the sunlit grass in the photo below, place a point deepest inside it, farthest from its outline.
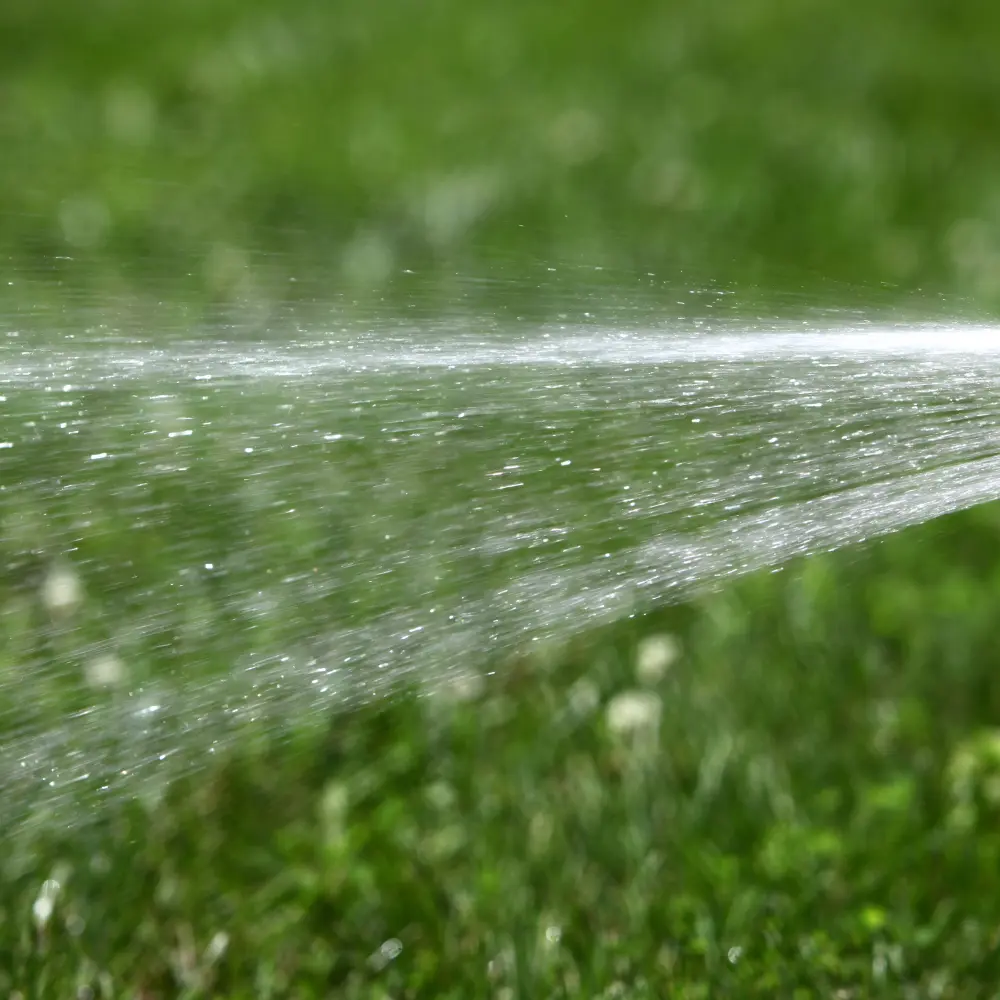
(788, 785)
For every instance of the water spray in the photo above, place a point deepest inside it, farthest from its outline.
(332, 518)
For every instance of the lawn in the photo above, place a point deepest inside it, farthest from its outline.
(785, 784)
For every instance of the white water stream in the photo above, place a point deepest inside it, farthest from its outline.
(379, 508)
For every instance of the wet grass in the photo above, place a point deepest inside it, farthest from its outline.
(790, 787)
(785, 788)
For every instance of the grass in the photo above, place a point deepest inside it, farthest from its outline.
(183, 148)
(787, 787)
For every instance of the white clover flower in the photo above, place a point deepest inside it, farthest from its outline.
(655, 655)
(633, 712)
(105, 671)
(45, 902)
(61, 590)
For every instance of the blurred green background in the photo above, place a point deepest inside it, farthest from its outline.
(788, 788)
(226, 146)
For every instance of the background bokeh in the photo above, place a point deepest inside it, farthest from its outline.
(230, 145)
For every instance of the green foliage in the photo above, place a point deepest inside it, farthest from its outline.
(796, 795)
(218, 150)
(810, 807)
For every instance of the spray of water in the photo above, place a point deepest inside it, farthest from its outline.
(228, 539)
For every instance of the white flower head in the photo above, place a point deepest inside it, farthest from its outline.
(655, 655)
(61, 590)
(633, 712)
(105, 671)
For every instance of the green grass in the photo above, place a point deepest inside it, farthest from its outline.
(804, 797)
(806, 801)
(217, 150)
